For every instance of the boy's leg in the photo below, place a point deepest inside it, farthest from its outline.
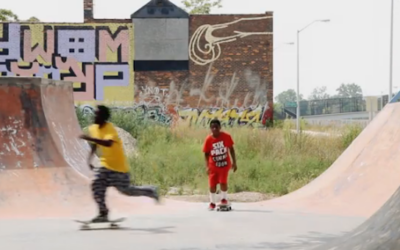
(121, 181)
(223, 180)
(213, 182)
(99, 187)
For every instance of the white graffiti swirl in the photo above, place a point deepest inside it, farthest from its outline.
(212, 48)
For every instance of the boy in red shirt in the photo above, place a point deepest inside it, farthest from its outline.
(217, 160)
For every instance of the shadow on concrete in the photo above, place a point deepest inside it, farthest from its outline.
(156, 230)
(307, 242)
(302, 242)
(249, 211)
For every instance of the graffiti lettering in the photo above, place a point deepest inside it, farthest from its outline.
(96, 58)
(150, 95)
(155, 113)
(228, 117)
(251, 108)
(154, 91)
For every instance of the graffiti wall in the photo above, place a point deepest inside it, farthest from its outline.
(229, 76)
(97, 58)
(191, 68)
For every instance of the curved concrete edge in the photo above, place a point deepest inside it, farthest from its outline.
(381, 231)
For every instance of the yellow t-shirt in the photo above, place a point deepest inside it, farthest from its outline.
(112, 157)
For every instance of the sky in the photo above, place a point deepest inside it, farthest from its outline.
(354, 47)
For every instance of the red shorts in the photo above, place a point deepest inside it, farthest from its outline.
(218, 176)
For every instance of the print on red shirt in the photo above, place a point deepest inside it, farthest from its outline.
(219, 150)
(219, 154)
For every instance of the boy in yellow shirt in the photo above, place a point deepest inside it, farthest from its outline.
(114, 170)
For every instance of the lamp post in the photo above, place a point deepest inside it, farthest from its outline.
(391, 52)
(298, 73)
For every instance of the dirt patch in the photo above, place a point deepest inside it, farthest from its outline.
(236, 197)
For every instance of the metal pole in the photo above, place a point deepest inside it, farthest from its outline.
(298, 74)
(298, 85)
(391, 53)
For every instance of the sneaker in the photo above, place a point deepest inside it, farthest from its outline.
(224, 202)
(211, 206)
(100, 218)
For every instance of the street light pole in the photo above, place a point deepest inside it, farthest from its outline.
(298, 73)
(391, 53)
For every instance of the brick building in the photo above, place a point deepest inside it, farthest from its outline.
(162, 60)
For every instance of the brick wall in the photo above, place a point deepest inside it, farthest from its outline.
(247, 60)
(224, 71)
(166, 89)
(233, 81)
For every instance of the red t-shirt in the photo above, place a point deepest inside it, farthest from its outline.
(219, 150)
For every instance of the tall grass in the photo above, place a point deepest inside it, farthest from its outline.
(350, 133)
(84, 119)
(274, 161)
(128, 120)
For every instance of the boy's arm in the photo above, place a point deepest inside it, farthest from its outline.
(206, 157)
(105, 143)
(109, 138)
(206, 152)
(92, 151)
(232, 151)
(233, 154)
(93, 148)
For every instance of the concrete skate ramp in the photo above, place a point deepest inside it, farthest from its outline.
(43, 173)
(43, 164)
(381, 231)
(40, 153)
(361, 180)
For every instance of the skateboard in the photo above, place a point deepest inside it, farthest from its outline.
(224, 208)
(113, 223)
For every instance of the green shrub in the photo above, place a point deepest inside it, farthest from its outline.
(350, 133)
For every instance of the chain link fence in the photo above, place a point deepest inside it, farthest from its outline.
(332, 106)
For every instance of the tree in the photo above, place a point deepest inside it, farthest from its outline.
(287, 96)
(33, 19)
(319, 93)
(201, 6)
(349, 90)
(8, 16)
